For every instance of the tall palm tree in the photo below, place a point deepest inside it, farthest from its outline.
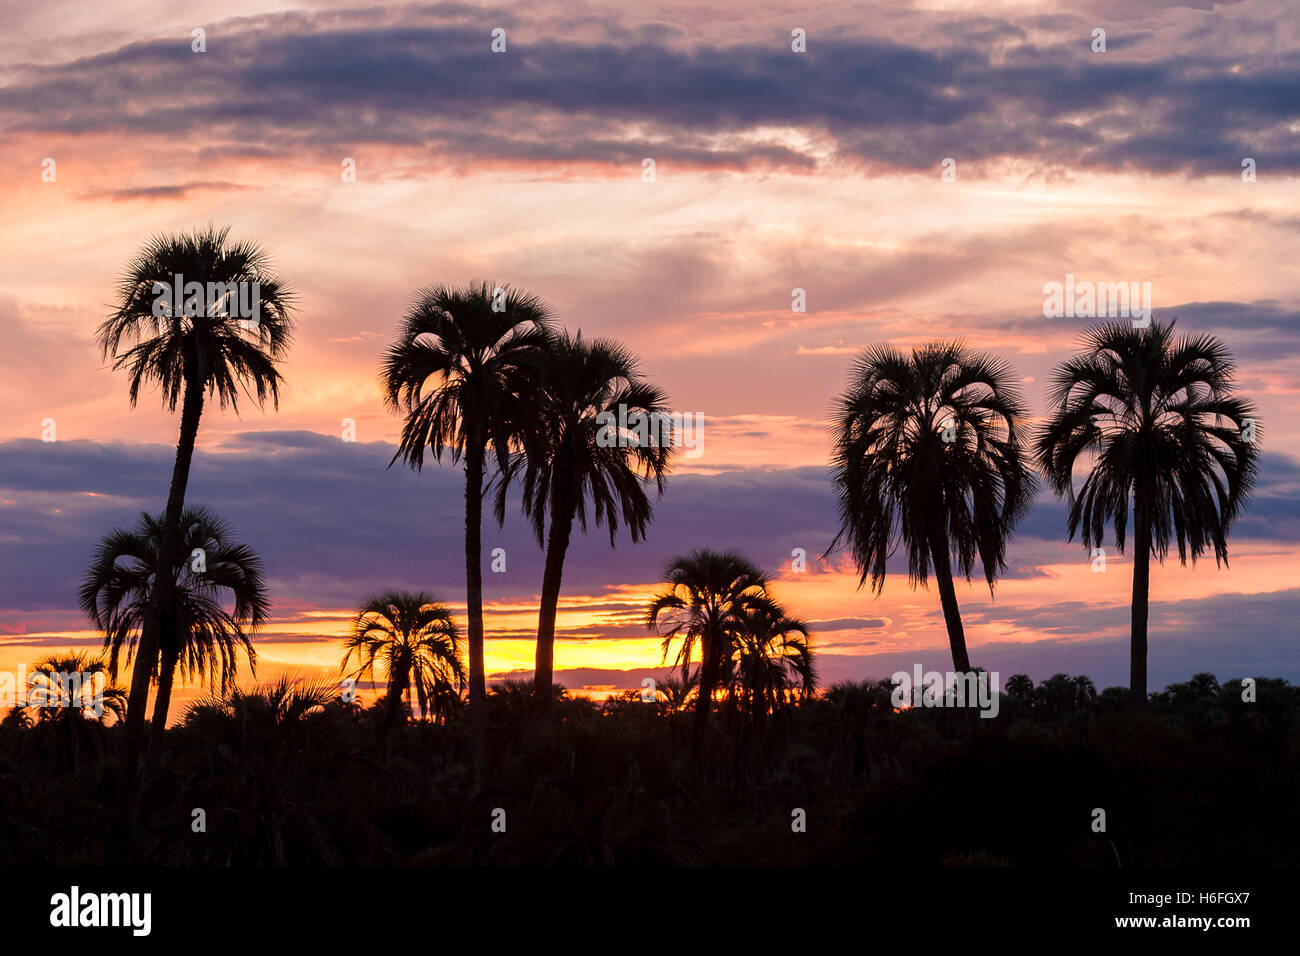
(465, 372)
(574, 455)
(419, 644)
(1156, 415)
(199, 636)
(192, 350)
(706, 607)
(928, 454)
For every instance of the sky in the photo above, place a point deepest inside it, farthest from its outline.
(774, 170)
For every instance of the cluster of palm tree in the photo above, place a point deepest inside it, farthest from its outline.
(480, 374)
(718, 607)
(934, 453)
(193, 355)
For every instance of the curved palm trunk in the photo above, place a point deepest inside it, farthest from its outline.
(1137, 680)
(948, 598)
(160, 596)
(557, 545)
(474, 603)
(163, 695)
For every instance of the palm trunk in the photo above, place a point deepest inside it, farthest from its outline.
(557, 545)
(1137, 681)
(393, 702)
(166, 674)
(160, 596)
(948, 598)
(474, 603)
(704, 700)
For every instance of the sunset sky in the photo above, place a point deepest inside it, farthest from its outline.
(774, 170)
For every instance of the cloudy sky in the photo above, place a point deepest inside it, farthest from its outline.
(774, 170)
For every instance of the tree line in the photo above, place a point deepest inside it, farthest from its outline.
(934, 453)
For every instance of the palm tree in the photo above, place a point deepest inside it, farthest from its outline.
(205, 346)
(65, 691)
(419, 643)
(465, 371)
(1167, 438)
(707, 606)
(261, 711)
(67, 688)
(1021, 687)
(574, 455)
(772, 662)
(674, 691)
(199, 636)
(928, 455)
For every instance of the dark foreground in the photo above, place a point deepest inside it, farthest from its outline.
(1198, 778)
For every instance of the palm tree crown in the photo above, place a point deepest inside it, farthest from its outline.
(178, 346)
(1157, 414)
(465, 370)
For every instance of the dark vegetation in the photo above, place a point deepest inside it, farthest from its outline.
(288, 774)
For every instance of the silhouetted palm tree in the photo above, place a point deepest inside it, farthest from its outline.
(574, 455)
(1085, 691)
(419, 644)
(193, 349)
(675, 691)
(73, 700)
(706, 606)
(70, 687)
(1021, 687)
(264, 708)
(465, 372)
(928, 455)
(1156, 415)
(771, 664)
(200, 637)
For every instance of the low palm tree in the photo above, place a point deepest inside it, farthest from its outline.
(1021, 687)
(73, 687)
(217, 602)
(771, 665)
(709, 599)
(193, 350)
(928, 456)
(575, 455)
(418, 642)
(1156, 415)
(261, 710)
(676, 691)
(465, 373)
(73, 700)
